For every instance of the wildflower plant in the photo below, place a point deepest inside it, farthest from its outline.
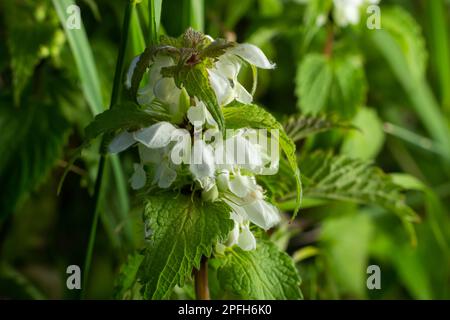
(201, 144)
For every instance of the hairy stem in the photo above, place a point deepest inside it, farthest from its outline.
(201, 281)
(98, 190)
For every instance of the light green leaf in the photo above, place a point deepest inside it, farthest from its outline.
(252, 116)
(368, 141)
(348, 90)
(265, 273)
(300, 126)
(32, 140)
(342, 178)
(183, 229)
(313, 83)
(197, 85)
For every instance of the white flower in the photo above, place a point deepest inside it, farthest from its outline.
(139, 177)
(347, 12)
(156, 136)
(224, 75)
(202, 164)
(199, 115)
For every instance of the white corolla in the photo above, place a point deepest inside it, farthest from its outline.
(224, 75)
(347, 12)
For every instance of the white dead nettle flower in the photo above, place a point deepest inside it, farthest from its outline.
(347, 12)
(220, 171)
(224, 75)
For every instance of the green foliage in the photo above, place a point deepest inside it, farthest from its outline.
(31, 32)
(32, 138)
(125, 116)
(299, 127)
(366, 142)
(126, 286)
(251, 116)
(346, 179)
(265, 273)
(331, 83)
(183, 229)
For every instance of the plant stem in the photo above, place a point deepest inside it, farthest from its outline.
(201, 281)
(98, 190)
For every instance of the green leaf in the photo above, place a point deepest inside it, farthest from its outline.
(183, 230)
(265, 273)
(125, 116)
(197, 85)
(342, 178)
(301, 126)
(368, 141)
(313, 83)
(32, 140)
(348, 90)
(252, 116)
(337, 84)
(125, 287)
(28, 37)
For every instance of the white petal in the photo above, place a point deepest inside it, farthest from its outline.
(242, 95)
(223, 181)
(246, 239)
(263, 214)
(139, 177)
(228, 66)
(165, 176)
(121, 142)
(166, 90)
(131, 71)
(241, 185)
(253, 55)
(221, 87)
(202, 160)
(155, 136)
(233, 236)
(181, 151)
(196, 115)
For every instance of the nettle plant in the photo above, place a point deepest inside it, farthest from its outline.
(202, 145)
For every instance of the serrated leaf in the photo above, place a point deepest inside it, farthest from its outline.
(183, 230)
(342, 178)
(313, 83)
(32, 140)
(125, 116)
(252, 116)
(300, 126)
(265, 273)
(197, 85)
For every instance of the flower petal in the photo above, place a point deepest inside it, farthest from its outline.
(155, 136)
(242, 95)
(139, 177)
(242, 185)
(121, 142)
(221, 87)
(263, 214)
(165, 176)
(202, 160)
(246, 239)
(253, 55)
(131, 71)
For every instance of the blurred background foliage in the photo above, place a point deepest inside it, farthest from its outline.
(394, 86)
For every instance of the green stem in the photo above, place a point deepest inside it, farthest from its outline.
(154, 7)
(98, 190)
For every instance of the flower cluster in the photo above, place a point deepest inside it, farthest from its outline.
(190, 148)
